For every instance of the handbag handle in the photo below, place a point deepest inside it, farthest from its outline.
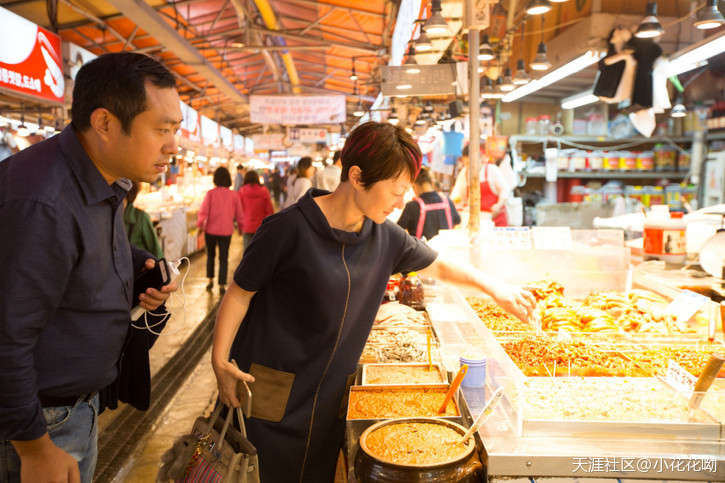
(227, 422)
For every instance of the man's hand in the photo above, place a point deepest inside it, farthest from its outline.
(151, 299)
(41, 461)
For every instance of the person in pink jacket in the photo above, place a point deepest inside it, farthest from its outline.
(221, 206)
(256, 205)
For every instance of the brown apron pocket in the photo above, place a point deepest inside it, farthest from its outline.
(270, 392)
(346, 397)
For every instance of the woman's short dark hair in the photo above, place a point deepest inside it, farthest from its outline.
(116, 82)
(251, 177)
(303, 165)
(381, 151)
(222, 177)
(464, 151)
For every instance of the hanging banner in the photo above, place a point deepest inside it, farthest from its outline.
(30, 59)
(209, 132)
(226, 137)
(426, 80)
(266, 142)
(190, 123)
(297, 109)
(307, 135)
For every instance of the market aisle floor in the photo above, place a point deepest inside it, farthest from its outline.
(198, 392)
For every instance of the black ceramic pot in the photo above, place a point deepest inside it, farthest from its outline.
(369, 468)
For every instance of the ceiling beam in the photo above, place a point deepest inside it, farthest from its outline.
(325, 4)
(148, 19)
(367, 48)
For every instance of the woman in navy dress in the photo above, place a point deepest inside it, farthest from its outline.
(304, 297)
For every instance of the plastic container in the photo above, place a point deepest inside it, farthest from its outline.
(596, 160)
(657, 196)
(664, 236)
(411, 291)
(646, 161)
(635, 192)
(673, 196)
(476, 374)
(664, 158)
(627, 161)
(531, 126)
(610, 161)
(544, 125)
(683, 161)
(579, 161)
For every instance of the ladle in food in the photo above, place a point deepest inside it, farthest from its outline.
(454, 387)
(487, 410)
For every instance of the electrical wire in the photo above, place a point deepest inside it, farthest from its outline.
(168, 312)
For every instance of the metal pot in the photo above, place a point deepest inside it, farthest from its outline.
(370, 468)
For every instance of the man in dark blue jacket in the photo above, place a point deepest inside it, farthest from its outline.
(68, 270)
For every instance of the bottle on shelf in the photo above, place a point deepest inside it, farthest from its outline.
(531, 127)
(411, 291)
(664, 236)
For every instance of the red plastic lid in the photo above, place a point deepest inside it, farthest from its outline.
(544, 117)
(530, 119)
(676, 214)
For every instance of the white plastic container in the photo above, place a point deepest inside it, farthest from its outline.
(664, 236)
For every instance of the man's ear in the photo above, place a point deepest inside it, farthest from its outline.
(101, 122)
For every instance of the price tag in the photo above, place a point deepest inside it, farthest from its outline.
(517, 238)
(685, 305)
(679, 378)
(552, 237)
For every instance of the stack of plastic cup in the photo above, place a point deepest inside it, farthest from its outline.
(476, 374)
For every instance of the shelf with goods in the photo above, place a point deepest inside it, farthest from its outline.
(174, 209)
(584, 419)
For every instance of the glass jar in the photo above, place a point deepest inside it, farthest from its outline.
(531, 126)
(411, 291)
(544, 125)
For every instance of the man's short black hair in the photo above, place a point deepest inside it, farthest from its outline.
(116, 82)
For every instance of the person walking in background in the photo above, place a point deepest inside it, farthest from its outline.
(139, 229)
(330, 176)
(221, 206)
(301, 182)
(256, 205)
(239, 177)
(68, 269)
(429, 212)
(276, 186)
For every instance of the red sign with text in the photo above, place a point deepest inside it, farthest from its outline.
(30, 58)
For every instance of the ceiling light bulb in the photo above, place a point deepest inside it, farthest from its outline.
(353, 76)
(539, 7)
(521, 76)
(507, 84)
(709, 16)
(436, 25)
(423, 44)
(485, 52)
(649, 27)
(678, 110)
(541, 61)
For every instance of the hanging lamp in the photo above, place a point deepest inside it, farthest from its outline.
(423, 43)
(353, 76)
(709, 16)
(541, 61)
(485, 52)
(521, 76)
(649, 27)
(538, 7)
(436, 25)
(410, 66)
(507, 84)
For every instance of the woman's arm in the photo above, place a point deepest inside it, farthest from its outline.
(514, 300)
(232, 311)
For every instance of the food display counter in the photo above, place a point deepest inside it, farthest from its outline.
(588, 418)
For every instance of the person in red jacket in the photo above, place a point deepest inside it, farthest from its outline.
(256, 205)
(221, 206)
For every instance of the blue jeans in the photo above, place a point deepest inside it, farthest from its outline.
(74, 429)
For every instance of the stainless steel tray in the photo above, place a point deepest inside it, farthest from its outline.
(436, 366)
